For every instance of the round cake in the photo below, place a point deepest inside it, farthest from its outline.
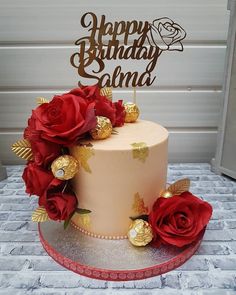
(119, 178)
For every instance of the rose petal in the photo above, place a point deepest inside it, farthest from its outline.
(176, 46)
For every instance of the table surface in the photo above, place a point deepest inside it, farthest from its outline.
(25, 268)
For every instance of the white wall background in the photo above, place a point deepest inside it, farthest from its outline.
(36, 42)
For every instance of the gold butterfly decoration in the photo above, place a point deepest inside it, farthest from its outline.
(40, 215)
(177, 188)
(106, 91)
(22, 149)
(41, 100)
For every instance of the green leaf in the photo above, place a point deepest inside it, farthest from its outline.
(143, 217)
(67, 221)
(82, 211)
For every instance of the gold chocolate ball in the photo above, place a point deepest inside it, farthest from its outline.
(131, 112)
(166, 194)
(103, 128)
(65, 167)
(140, 233)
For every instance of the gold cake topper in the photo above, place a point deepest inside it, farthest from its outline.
(123, 40)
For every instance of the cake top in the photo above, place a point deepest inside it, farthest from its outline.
(140, 131)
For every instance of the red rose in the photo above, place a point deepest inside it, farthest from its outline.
(36, 179)
(90, 93)
(44, 152)
(120, 113)
(179, 220)
(64, 119)
(59, 205)
(103, 106)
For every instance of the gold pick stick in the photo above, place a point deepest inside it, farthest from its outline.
(134, 95)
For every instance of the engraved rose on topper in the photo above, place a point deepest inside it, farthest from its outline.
(166, 34)
(121, 41)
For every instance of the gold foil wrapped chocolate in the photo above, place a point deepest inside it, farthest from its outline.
(65, 167)
(103, 128)
(131, 112)
(140, 233)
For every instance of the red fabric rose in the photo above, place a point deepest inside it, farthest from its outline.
(37, 179)
(120, 113)
(103, 106)
(179, 220)
(59, 205)
(44, 152)
(90, 93)
(64, 119)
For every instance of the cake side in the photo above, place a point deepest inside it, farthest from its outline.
(121, 177)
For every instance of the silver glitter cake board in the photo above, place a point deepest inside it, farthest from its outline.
(114, 260)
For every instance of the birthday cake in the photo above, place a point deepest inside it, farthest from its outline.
(93, 164)
(125, 173)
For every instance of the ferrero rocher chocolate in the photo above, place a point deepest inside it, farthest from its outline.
(65, 167)
(166, 194)
(140, 233)
(131, 112)
(103, 128)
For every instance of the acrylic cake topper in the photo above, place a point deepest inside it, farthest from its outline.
(95, 50)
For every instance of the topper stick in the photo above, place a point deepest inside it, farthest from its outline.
(134, 95)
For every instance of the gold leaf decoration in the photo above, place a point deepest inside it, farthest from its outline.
(139, 206)
(40, 215)
(41, 100)
(84, 153)
(22, 149)
(179, 186)
(65, 167)
(106, 91)
(140, 151)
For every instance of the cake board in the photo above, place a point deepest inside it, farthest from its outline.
(110, 260)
